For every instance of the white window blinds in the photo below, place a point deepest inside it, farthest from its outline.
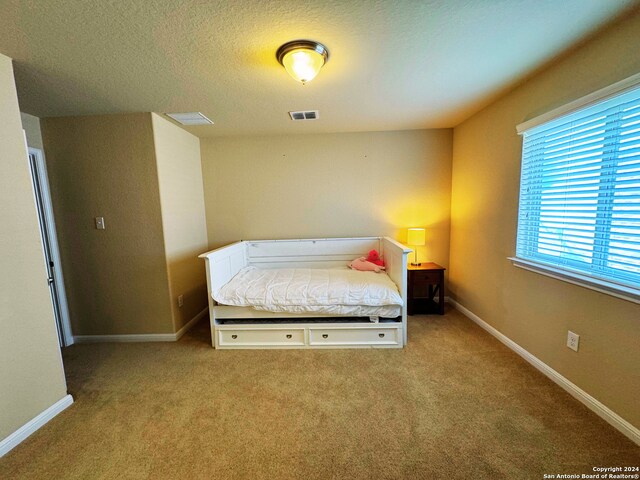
(580, 191)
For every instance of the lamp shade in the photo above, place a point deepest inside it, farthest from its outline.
(416, 236)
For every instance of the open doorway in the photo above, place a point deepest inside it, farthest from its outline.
(50, 246)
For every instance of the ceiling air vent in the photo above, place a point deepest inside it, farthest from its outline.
(305, 115)
(191, 118)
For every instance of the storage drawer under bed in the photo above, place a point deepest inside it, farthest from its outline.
(309, 335)
(261, 337)
(355, 336)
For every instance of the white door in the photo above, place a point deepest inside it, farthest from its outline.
(50, 246)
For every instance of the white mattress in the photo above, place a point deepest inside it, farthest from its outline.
(337, 291)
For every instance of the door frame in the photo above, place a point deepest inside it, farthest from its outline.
(47, 207)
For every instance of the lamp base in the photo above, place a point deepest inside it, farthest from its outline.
(415, 264)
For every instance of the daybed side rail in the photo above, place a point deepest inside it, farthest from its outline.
(220, 251)
(222, 265)
(395, 258)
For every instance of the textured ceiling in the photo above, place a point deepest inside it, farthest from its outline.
(394, 64)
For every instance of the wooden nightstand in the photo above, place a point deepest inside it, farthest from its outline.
(424, 283)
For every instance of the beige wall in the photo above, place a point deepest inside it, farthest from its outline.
(533, 310)
(183, 217)
(116, 279)
(330, 185)
(31, 376)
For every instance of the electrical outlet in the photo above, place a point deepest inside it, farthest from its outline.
(573, 340)
(180, 300)
(100, 223)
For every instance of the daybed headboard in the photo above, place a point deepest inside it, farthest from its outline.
(310, 253)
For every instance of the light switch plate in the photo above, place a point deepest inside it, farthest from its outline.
(100, 223)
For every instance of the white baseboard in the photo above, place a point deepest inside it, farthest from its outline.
(187, 326)
(604, 412)
(141, 337)
(34, 424)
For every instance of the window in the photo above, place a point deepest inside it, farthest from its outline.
(580, 193)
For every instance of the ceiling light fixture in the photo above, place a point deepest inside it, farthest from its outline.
(302, 59)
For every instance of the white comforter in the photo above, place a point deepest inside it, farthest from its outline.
(338, 291)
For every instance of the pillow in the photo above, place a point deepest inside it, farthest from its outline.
(363, 265)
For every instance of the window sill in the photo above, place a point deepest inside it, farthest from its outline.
(626, 293)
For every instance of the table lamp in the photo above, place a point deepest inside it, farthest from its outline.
(416, 237)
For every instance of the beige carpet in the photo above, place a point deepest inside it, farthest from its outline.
(454, 404)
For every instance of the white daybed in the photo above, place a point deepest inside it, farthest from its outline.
(245, 327)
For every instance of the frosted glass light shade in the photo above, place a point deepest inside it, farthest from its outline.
(303, 65)
(416, 236)
(302, 59)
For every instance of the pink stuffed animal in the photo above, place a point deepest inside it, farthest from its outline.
(374, 257)
(363, 265)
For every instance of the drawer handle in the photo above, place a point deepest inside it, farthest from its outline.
(325, 335)
(234, 336)
(289, 335)
(381, 335)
